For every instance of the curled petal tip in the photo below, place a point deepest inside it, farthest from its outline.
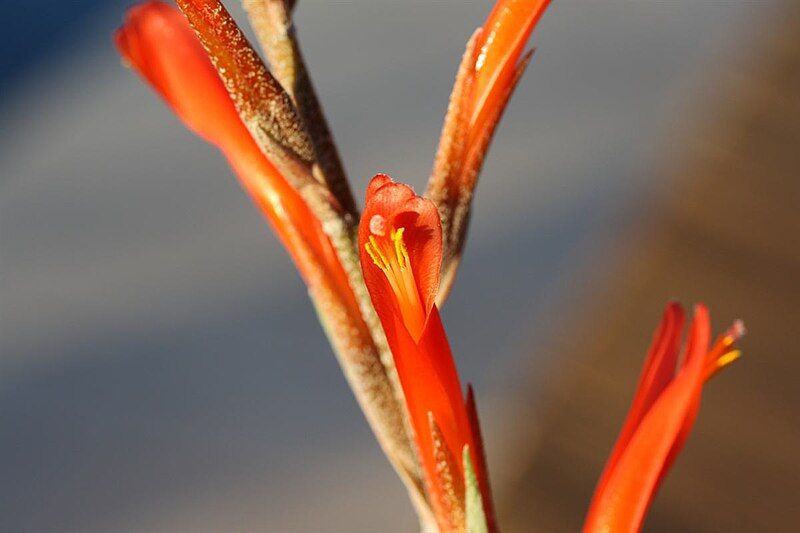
(378, 181)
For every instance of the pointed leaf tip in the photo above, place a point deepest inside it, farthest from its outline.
(475, 516)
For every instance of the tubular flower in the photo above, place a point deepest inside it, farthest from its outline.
(157, 41)
(664, 409)
(492, 65)
(400, 240)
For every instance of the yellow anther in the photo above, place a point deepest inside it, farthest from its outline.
(715, 365)
(375, 253)
(729, 358)
(728, 340)
(724, 352)
(400, 248)
(391, 256)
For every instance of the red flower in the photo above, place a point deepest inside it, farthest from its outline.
(400, 240)
(497, 60)
(664, 409)
(157, 41)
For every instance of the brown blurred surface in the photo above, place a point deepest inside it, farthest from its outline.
(724, 232)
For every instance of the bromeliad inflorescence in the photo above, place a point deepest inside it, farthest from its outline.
(377, 279)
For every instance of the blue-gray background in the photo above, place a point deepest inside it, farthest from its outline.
(160, 366)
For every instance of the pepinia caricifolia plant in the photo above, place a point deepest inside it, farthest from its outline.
(378, 278)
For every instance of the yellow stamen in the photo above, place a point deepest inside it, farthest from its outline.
(715, 365)
(391, 256)
(729, 358)
(375, 253)
(724, 352)
(400, 248)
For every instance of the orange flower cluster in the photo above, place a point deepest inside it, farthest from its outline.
(377, 279)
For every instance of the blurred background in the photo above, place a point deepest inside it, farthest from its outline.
(161, 368)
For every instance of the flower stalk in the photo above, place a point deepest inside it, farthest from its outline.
(275, 30)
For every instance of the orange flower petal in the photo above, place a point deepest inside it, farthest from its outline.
(622, 502)
(500, 46)
(489, 71)
(658, 371)
(424, 393)
(157, 41)
(435, 347)
(395, 205)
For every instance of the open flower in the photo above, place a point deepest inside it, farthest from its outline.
(400, 240)
(664, 409)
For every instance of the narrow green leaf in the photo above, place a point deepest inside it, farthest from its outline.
(476, 518)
